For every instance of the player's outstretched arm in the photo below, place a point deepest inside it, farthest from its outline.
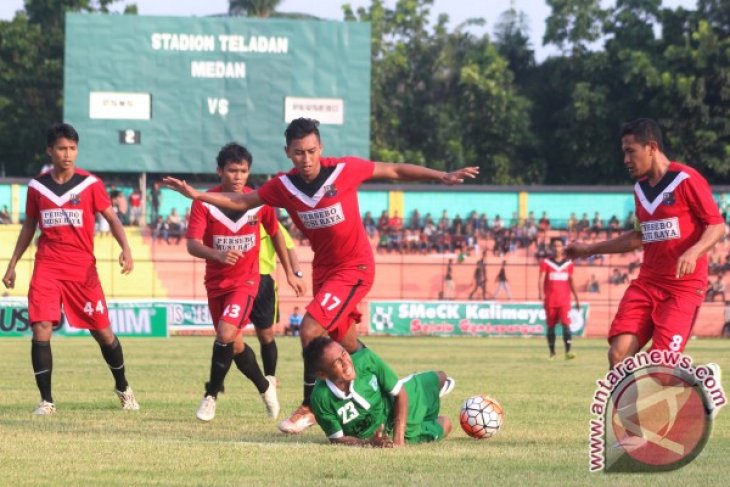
(25, 237)
(412, 172)
(115, 226)
(626, 242)
(232, 201)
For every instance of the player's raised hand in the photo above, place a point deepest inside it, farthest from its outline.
(458, 176)
(181, 186)
(9, 278)
(229, 257)
(297, 284)
(125, 261)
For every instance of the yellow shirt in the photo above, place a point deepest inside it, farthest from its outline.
(267, 254)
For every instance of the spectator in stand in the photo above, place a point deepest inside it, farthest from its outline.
(161, 230)
(457, 226)
(155, 197)
(383, 222)
(483, 226)
(573, 225)
(715, 289)
(497, 225)
(369, 223)
(473, 220)
(597, 226)
(592, 285)
(617, 277)
(613, 226)
(543, 250)
(135, 207)
(443, 224)
(514, 221)
(633, 265)
(395, 222)
(415, 222)
(583, 224)
(5, 216)
(174, 226)
(119, 204)
(630, 222)
(543, 225)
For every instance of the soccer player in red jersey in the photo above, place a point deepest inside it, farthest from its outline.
(63, 203)
(320, 194)
(678, 222)
(229, 241)
(555, 285)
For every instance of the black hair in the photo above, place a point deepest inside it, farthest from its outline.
(557, 239)
(644, 131)
(300, 128)
(313, 352)
(61, 131)
(233, 152)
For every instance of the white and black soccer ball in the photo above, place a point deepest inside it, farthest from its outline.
(481, 417)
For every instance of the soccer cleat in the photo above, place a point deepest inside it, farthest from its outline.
(569, 355)
(45, 408)
(551, 357)
(301, 419)
(448, 386)
(206, 411)
(129, 403)
(271, 401)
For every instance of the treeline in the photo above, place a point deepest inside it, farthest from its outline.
(450, 97)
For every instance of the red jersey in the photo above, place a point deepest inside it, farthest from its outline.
(672, 216)
(230, 230)
(557, 282)
(66, 215)
(327, 212)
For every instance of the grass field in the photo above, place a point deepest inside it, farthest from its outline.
(91, 441)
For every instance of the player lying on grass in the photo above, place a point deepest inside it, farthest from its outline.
(358, 400)
(320, 195)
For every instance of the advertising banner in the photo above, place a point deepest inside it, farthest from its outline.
(453, 318)
(128, 318)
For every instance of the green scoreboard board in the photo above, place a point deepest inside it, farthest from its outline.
(163, 94)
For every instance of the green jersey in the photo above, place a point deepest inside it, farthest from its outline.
(368, 404)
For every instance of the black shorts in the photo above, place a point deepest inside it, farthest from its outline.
(265, 310)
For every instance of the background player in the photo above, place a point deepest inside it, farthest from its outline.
(358, 399)
(555, 285)
(320, 194)
(63, 203)
(678, 222)
(229, 241)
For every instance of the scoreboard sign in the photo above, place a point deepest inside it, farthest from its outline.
(163, 94)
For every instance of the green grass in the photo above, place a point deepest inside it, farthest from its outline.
(91, 441)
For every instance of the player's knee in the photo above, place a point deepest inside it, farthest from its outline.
(42, 330)
(265, 335)
(442, 378)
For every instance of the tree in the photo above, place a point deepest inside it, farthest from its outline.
(253, 8)
(31, 78)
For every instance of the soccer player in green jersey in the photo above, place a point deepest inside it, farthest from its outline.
(358, 400)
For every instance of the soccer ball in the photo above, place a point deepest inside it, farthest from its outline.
(481, 417)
